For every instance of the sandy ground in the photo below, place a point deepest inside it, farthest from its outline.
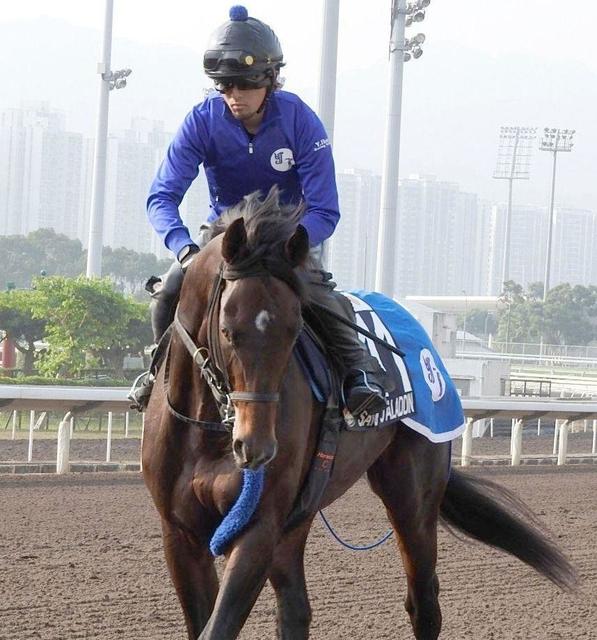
(81, 557)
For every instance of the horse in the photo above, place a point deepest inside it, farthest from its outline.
(193, 468)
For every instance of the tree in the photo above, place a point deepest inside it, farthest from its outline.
(82, 316)
(18, 323)
(129, 269)
(136, 335)
(570, 314)
(24, 257)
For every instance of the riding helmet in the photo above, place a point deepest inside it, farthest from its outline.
(243, 47)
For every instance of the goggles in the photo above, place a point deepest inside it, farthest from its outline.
(235, 60)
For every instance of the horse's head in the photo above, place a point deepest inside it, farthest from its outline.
(260, 317)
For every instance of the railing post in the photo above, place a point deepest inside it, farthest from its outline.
(109, 438)
(63, 448)
(31, 425)
(594, 448)
(516, 442)
(467, 443)
(555, 438)
(14, 424)
(563, 444)
(126, 424)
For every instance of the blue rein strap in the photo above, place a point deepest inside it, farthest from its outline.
(352, 547)
(241, 512)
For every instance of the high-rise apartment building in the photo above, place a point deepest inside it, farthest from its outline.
(40, 171)
(528, 240)
(574, 258)
(439, 249)
(352, 249)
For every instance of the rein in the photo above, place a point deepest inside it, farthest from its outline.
(210, 359)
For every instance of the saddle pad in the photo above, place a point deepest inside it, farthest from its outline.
(314, 365)
(436, 411)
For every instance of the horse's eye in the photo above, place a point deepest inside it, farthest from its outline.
(226, 333)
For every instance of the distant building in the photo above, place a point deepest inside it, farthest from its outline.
(574, 258)
(440, 244)
(353, 246)
(40, 171)
(528, 241)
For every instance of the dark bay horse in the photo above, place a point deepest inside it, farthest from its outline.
(194, 473)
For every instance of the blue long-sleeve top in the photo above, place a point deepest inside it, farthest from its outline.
(291, 149)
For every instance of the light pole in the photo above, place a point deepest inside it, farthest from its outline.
(554, 140)
(326, 104)
(513, 163)
(108, 80)
(400, 51)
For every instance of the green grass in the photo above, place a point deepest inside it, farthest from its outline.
(86, 426)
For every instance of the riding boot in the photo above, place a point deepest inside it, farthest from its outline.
(364, 380)
(164, 292)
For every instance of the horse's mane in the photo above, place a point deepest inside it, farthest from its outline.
(269, 225)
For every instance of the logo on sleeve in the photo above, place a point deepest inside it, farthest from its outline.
(322, 144)
(282, 159)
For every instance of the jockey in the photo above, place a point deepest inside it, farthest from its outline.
(249, 135)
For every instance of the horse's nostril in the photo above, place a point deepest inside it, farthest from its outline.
(238, 446)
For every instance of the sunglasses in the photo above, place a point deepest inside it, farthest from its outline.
(223, 85)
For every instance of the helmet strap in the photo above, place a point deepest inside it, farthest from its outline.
(268, 93)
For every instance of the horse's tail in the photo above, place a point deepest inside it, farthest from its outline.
(491, 514)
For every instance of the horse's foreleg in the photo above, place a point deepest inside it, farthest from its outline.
(247, 567)
(287, 576)
(194, 577)
(410, 478)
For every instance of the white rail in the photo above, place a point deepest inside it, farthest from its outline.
(77, 400)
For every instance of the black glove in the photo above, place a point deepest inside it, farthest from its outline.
(186, 255)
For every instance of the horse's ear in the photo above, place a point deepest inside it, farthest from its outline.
(297, 246)
(235, 241)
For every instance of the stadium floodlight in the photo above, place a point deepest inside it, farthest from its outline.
(409, 21)
(423, 4)
(407, 56)
(419, 38)
(513, 163)
(417, 52)
(419, 16)
(554, 140)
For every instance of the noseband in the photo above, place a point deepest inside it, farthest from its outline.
(210, 359)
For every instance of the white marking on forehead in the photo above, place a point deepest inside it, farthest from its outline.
(262, 320)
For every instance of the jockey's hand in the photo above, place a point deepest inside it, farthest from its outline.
(187, 255)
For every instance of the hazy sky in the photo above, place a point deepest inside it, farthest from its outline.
(486, 63)
(541, 28)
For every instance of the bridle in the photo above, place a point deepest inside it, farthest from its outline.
(210, 359)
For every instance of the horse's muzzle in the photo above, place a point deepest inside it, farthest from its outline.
(249, 456)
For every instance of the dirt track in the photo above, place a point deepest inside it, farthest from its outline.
(80, 557)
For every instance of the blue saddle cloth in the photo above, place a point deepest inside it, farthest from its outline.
(425, 398)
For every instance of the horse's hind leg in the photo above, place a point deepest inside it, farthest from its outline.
(194, 577)
(287, 577)
(410, 478)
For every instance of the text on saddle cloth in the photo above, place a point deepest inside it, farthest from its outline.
(425, 398)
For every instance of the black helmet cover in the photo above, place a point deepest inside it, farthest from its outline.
(243, 47)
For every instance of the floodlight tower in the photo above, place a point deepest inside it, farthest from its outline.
(108, 80)
(401, 50)
(513, 163)
(554, 140)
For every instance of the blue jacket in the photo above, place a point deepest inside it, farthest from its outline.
(290, 149)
